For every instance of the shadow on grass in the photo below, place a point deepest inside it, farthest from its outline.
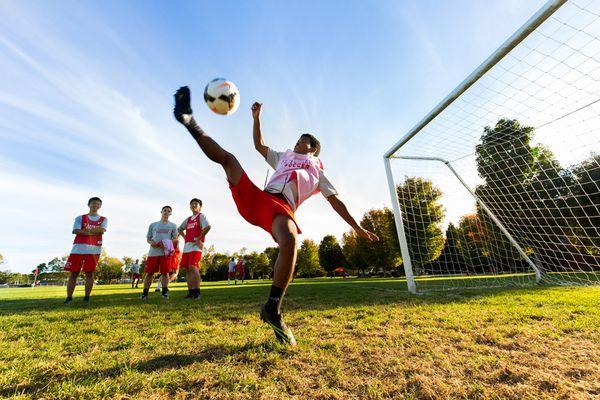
(43, 381)
(222, 300)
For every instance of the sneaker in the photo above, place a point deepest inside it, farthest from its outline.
(283, 333)
(189, 296)
(165, 296)
(86, 301)
(68, 301)
(183, 107)
(144, 297)
(196, 296)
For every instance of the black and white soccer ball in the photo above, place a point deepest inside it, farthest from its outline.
(222, 96)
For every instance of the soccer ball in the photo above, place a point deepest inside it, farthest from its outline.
(222, 96)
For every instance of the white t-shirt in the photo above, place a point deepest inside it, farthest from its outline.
(80, 248)
(273, 158)
(231, 266)
(188, 247)
(157, 231)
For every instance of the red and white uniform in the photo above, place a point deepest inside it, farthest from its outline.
(296, 178)
(86, 249)
(192, 253)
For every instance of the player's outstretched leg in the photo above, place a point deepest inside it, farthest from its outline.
(285, 233)
(183, 114)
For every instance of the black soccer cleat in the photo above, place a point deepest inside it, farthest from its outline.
(144, 297)
(283, 333)
(68, 301)
(86, 301)
(183, 105)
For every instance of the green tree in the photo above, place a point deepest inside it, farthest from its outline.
(450, 259)
(526, 189)
(109, 269)
(256, 264)
(128, 262)
(330, 254)
(308, 260)
(422, 215)
(272, 253)
(470, 239)
(584, 205)
(384, 253)
(353, 254)
(56, 265)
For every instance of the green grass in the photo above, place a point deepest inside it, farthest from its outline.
(358, 339)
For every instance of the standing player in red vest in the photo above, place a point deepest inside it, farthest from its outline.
(194, 230)
(87, 246)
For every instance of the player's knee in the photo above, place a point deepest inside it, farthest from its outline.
(287, 241)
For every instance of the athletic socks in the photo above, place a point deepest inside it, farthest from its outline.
(145, 292)
(273, 305)
(165, 291)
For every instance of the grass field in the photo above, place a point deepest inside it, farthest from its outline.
(358, 339)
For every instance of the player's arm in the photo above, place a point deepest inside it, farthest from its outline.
(149, 238)
(343, 212)
(203, 233)
(259, 144)
(83, 232)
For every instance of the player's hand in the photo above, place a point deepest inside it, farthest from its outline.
(183, 105)
(366, 234)
(256, 107)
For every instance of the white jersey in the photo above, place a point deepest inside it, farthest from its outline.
(297, 176)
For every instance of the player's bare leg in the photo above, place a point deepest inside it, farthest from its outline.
(183, 114)
(89, 284)
(71, 283)
(285, 233)
(147, 283)
(193, 278)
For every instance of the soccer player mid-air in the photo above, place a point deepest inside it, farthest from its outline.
(87, 246)
(298, 175)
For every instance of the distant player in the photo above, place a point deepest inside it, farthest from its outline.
(194, 230)
(87, 246)
(161, 237)
(231, 271)
(298, 175)
(135, 274)
(239, 270)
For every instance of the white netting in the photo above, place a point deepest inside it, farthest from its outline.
(526, 138)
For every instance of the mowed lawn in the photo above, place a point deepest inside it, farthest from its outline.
(358, 339)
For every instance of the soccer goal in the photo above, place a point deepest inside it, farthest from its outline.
(499, 184)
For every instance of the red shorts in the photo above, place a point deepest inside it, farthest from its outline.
(230, 275)
(77, 262)
(160, 264)
(191, 259)
(257, 206)
(135, 276)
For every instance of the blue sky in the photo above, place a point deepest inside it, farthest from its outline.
(86, 96)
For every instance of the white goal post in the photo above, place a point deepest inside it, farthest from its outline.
(500, 183)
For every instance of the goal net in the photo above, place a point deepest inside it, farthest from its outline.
(500, 184)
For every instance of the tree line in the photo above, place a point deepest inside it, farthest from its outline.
(551, 210)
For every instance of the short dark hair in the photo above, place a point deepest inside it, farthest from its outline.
(195, 199)
(94, 199)
(314, 143)
(169, 207)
